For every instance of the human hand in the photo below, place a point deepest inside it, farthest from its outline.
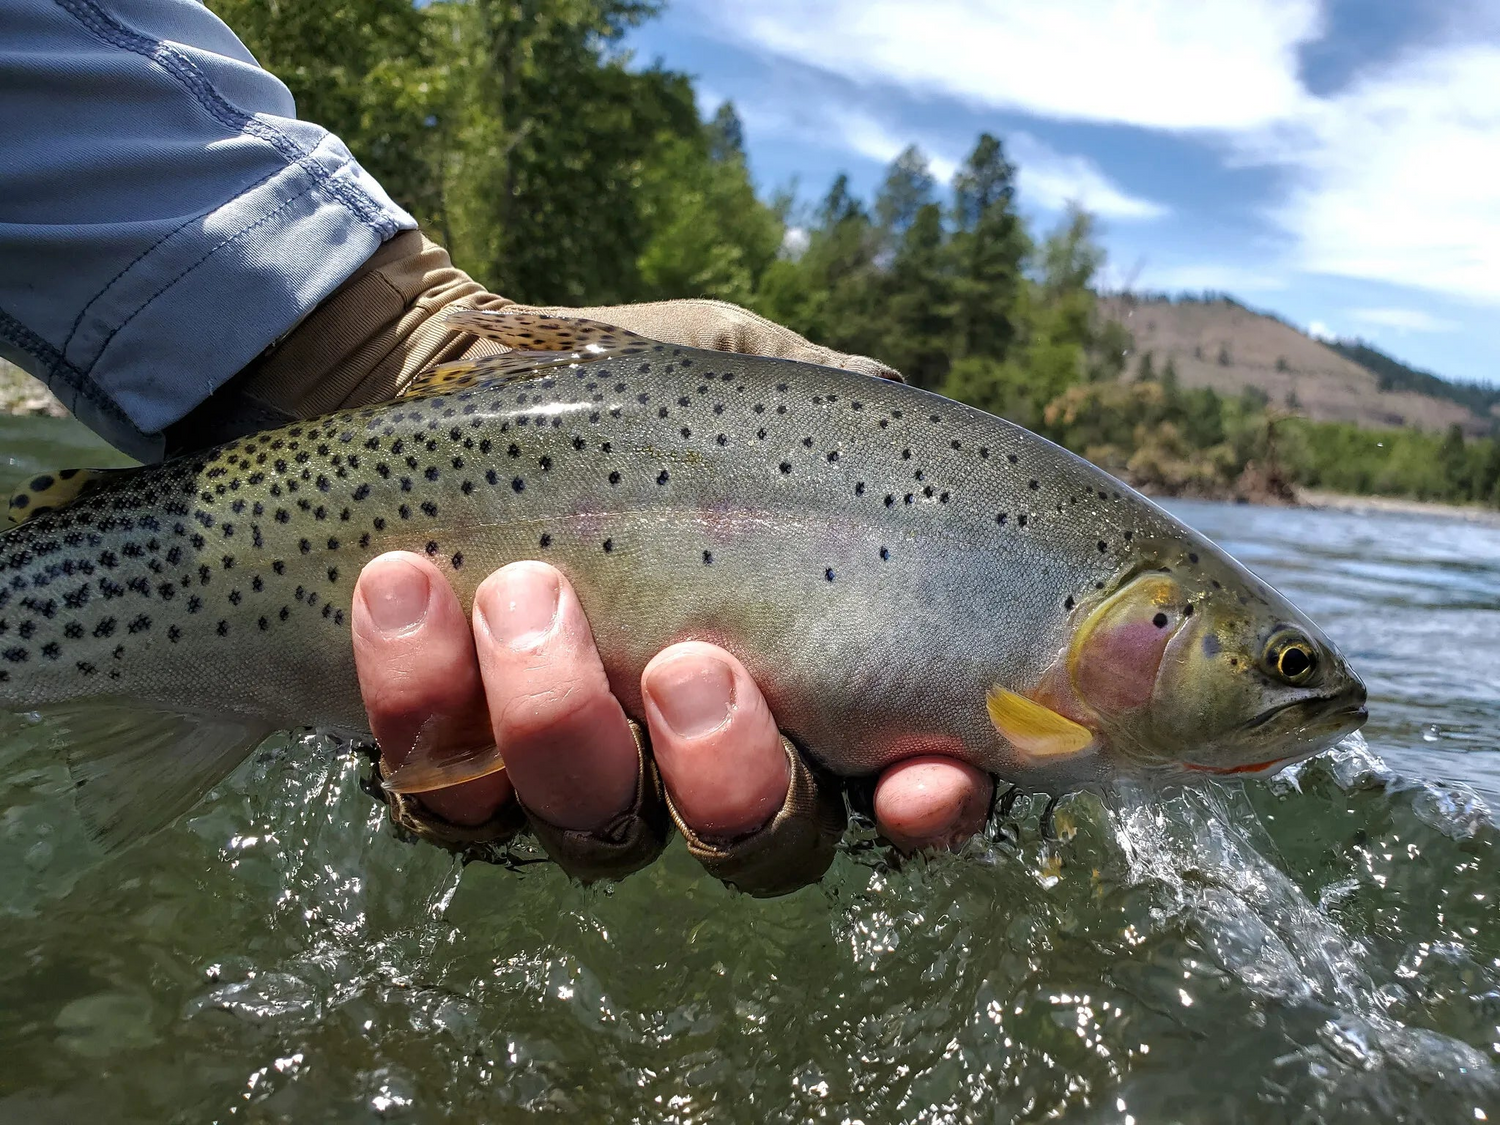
(528, 676)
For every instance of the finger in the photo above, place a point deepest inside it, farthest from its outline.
(931, 802)
(567, 746)
(714, 739)
(415, 657)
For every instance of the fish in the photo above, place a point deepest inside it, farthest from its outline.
(901, 573)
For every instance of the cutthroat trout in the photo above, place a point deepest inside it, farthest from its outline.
(902, 574)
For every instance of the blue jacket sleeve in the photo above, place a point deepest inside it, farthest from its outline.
(164, 216)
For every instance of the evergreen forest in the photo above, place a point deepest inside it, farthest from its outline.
(557, 169)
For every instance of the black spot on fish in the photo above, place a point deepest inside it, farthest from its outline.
(1103, 546)
(662, 477)
(1192, 558)
(1033, 484)
(614, 478)
(786, 466)
(708, 558)
(828, 574)
(545, 540)
(884, 554)
(1021, 519)
(609, 546)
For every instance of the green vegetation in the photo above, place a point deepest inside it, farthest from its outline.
(559, 172)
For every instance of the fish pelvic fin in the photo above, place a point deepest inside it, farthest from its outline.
(1035, 730)
(137, 766)
(46, 492)
(435, 763)
(538, 344)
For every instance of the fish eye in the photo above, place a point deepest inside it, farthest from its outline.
(1291, 658)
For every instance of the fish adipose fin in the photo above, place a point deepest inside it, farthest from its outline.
(434, 764)
(539, 343)
(48, 491)
(137, 767)
(1033, 729)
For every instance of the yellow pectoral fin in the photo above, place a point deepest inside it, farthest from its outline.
(1034, 729)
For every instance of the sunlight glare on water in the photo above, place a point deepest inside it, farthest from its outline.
(1323, 947)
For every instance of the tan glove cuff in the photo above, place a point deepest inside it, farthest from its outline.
(364, 343)
(794, 849)
(629, 842)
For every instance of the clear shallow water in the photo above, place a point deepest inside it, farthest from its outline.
(1324, 947)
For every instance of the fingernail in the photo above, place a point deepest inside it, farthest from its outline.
(521, 606)
(396, 594)
(694, 694)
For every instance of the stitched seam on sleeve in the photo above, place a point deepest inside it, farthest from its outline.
(235, 237)
(148, 251)
(59, 369)
(186, 72)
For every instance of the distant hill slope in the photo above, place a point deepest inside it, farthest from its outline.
(1224, 345)
(1397, 376)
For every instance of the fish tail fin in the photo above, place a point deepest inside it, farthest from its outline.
(136, 767)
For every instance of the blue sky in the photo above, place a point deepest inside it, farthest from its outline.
(1337, 162)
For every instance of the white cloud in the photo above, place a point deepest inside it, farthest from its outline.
(1407, 320)
(1163, 64)
(1054, 179)
(795, 241)
(1395, 178)
(1219, 278)
(1320, 331)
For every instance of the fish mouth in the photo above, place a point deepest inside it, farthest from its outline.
(1337, 713)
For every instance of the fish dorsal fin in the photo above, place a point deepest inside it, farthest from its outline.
(538, 344)
(1033, 729)
(538, 332)
(46, 492)
(137, 766)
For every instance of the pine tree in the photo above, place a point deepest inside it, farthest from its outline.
(1453, 458)
(989, 249)
(908, 187)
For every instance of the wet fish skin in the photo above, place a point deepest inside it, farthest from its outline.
(878, 556)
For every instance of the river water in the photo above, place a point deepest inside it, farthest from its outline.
(1323, 947)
